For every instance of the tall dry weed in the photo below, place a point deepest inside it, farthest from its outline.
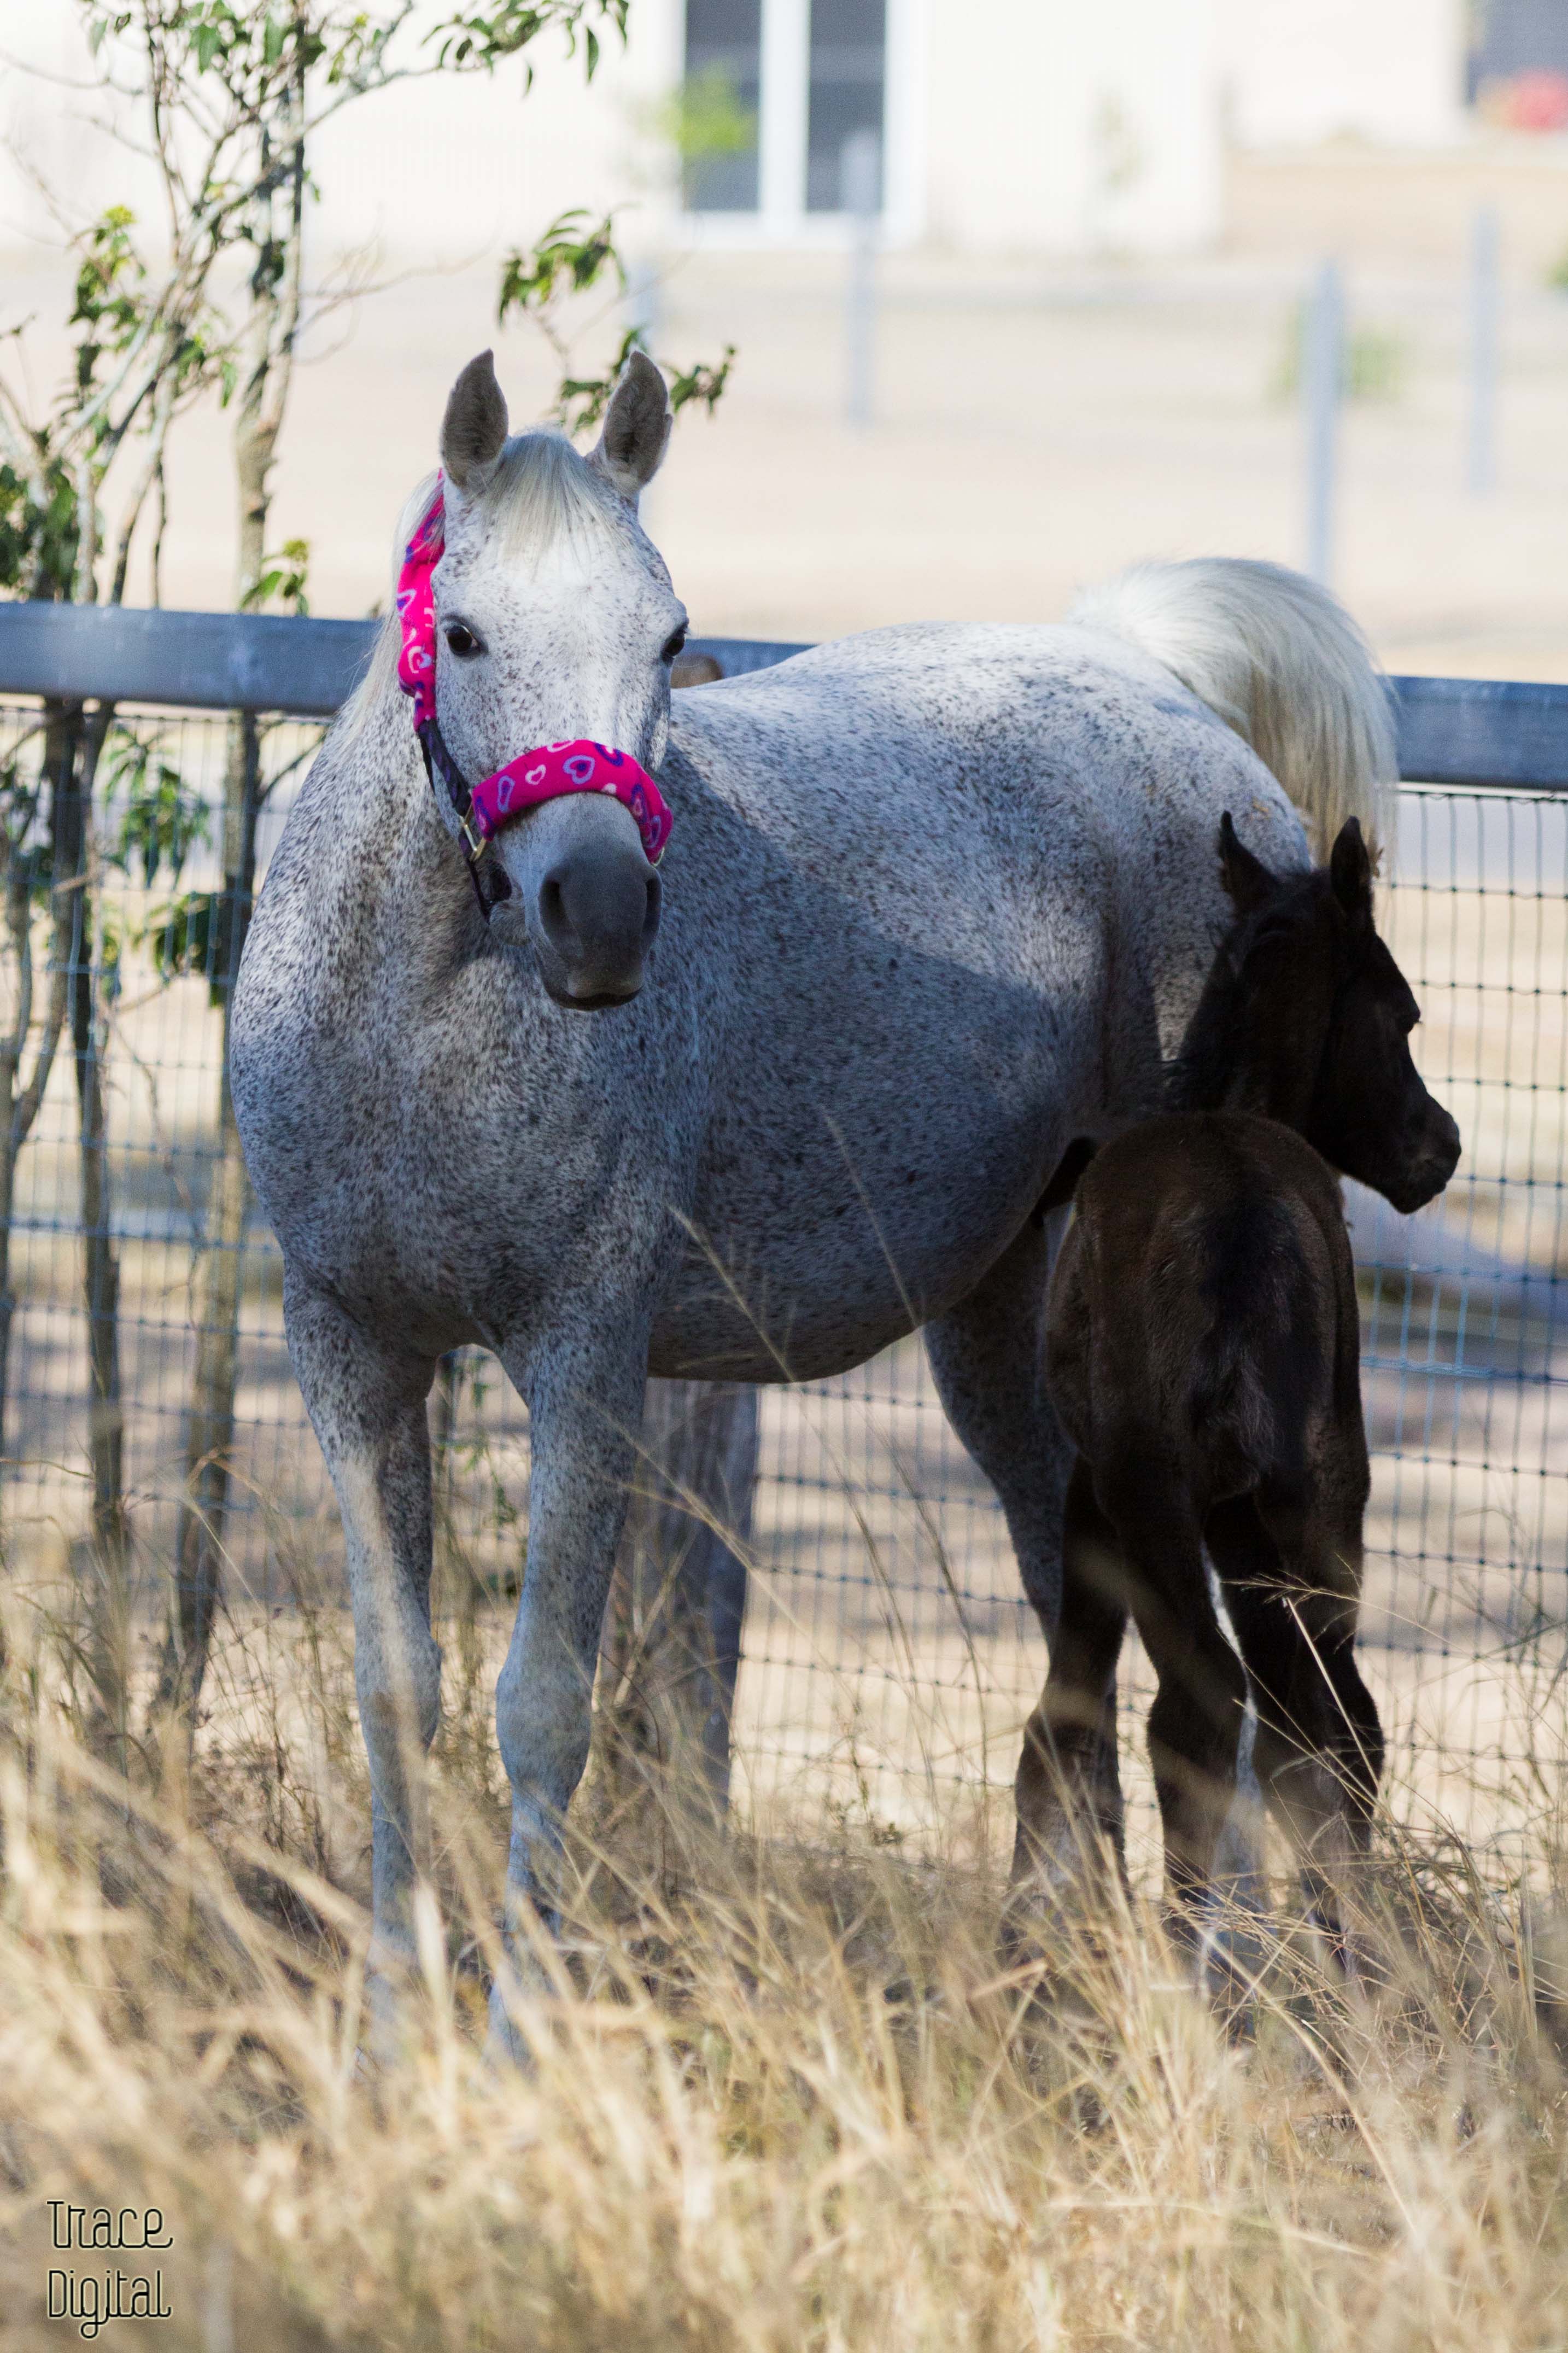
(786, 2096)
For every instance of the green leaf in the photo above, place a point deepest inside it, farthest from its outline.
(187, 936)
(575, 254)
(162, 817)
(705, 119)
(703, 383)
(283, 576)
(39, 539)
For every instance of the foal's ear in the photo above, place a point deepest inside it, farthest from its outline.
(1247, 879)
(631, 448)
(474, 427)
(1350, 872)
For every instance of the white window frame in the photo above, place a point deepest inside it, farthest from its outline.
(781, 218)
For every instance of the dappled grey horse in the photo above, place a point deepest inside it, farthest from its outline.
(938, 901)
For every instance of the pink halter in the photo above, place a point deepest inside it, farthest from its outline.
(542, 775)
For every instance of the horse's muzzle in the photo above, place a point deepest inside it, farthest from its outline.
(589, 897)
(1426, 1169)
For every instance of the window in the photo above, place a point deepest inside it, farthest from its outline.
(723, 58)
(849, 63)
(1512, 36)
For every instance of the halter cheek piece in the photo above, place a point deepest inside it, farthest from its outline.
(545, 774)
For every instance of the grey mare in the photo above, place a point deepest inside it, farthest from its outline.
(938, 901)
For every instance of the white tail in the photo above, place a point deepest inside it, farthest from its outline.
(1280, 661)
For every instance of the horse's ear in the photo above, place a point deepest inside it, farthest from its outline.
(1248, 880)
(630, 450)
(474, 427)
(1350, 872)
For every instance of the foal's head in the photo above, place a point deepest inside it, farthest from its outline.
(555, 620)
(1306, 1017)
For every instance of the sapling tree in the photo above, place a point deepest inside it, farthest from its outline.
(75, 482)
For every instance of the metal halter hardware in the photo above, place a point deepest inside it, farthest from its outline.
(489, 876)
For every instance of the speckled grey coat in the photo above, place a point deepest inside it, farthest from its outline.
(938, 899)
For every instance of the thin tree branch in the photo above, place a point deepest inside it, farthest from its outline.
(152, 471)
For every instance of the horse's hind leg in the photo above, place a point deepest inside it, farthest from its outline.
(366, 1400)
(986, 1357)
(1068, 1789)
(1194, 1725)
(1292, 1575)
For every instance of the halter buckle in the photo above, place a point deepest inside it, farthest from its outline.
(474, 842)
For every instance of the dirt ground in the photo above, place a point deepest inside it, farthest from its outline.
(1035, 427)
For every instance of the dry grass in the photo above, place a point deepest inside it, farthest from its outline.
(784, 2097)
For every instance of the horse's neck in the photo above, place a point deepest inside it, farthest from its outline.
(1223, 1066)
(384, 811)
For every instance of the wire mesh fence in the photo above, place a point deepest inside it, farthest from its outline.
(888, 1659)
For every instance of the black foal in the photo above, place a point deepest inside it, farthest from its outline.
(1202, 1351)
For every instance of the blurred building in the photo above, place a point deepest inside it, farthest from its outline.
(1392, 72)
(1034, 125)
(1008, 126)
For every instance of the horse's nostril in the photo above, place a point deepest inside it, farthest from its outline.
(553, 905)
(650, 914)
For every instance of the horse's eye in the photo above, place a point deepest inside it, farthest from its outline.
(462, 641)
(674, 645)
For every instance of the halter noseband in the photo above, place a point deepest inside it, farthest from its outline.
(545, 774)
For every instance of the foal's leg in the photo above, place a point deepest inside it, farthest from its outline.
(1292, 1573)
(1068, 1790)
(1194, 1725)
(584, 1401)
(986, 1359)
(366, 1400)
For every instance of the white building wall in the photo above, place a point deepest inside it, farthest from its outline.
(1034, 125)
(1014, 125)
(1058, 128)
(452, 168)
(1298, 71)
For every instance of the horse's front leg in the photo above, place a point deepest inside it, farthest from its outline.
(585, 1402)
(367, 1401)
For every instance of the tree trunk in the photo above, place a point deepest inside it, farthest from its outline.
(672, 1635)
(21, 1100)
(108, 1606)
(272, 324)
(209, 1430)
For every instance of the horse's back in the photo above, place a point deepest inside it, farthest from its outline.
(1206, 1299)
(989, 710)
(959, 882)
(991, 772)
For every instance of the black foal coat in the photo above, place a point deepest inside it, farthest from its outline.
(1202, 1351)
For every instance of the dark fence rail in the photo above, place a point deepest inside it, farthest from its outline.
(223, 662)
(1504, 733)
(1452, 731)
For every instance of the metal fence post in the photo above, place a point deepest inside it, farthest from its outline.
(1323, 383)
(860, 193)
(1480, 467)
